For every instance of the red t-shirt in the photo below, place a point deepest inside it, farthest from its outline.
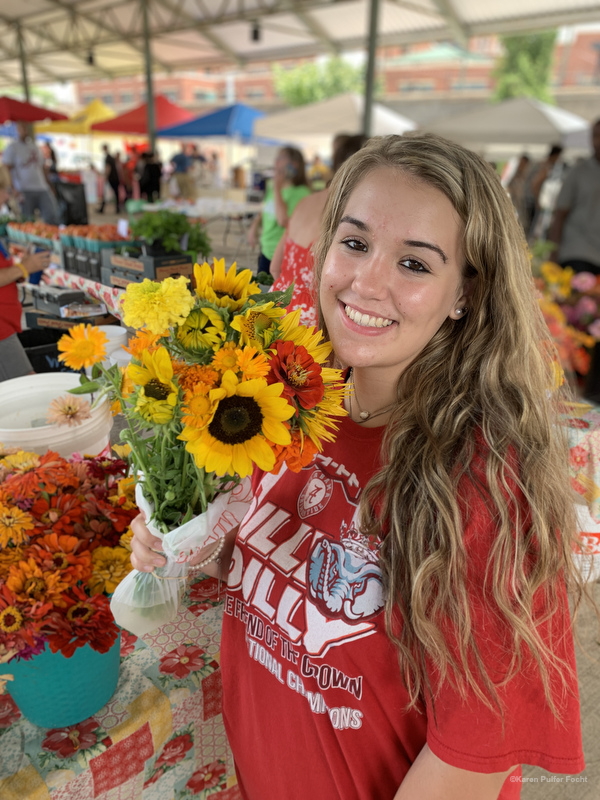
(10, 308)
(313, 703)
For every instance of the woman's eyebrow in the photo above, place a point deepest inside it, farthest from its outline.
(428, 246)
(356, 222)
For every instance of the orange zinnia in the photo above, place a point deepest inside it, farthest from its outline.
(296, 455)
(54, 552)
(31, 584)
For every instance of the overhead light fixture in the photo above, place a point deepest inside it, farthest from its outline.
(90, 58)
(255, 32)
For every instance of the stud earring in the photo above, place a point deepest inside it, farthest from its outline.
(460, 311)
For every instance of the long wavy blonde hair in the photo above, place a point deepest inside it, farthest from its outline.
(488, 377)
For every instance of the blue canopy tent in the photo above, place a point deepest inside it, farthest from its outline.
(236, 121)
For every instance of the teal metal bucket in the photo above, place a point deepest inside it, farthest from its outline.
(53, 691)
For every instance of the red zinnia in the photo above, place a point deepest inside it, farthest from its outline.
(294, 367)
(84, 620)
(59, 512)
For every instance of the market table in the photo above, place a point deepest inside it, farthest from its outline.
(161, 736)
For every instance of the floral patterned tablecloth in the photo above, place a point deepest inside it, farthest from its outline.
(109, 295)
(160, 737)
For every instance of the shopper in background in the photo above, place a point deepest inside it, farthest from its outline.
(283, 194)
(517, 189)
(25, 163)
(293, 259)
(150, 177)
(13, 359)
(111, 176)
(182, 168)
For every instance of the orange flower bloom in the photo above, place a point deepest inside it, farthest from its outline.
(52, 471)
(296, 455)
(144, 341)
(294, 367)
(31, 584)
(54, 552)
(189, 376)
(252, 364)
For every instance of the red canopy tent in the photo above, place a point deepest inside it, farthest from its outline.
(12, 110)
(135, 121)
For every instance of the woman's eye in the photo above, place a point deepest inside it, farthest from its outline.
(413, 265)
(354, 244)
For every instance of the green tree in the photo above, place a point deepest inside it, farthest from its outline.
(311, 82)
(525, 68)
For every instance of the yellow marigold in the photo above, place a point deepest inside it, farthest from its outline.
(109, 566)
(228, 289)
(226, 358)
(189, 375)
(157, 306)
(144, 341)
(83, 346)
(14, 525)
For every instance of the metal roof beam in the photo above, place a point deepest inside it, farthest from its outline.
(459, 30)
(317, 30)
(115, 35)
(206, 31)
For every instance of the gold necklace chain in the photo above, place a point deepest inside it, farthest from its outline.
(364, 415)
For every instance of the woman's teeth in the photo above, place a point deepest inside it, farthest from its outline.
(365, 320)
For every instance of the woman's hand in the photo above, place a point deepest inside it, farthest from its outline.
(36, 262)
(143, 546)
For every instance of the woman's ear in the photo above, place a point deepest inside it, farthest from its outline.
(461, 306)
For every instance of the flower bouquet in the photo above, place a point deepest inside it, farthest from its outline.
(221, 380)
(64, 533)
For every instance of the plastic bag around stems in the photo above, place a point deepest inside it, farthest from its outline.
(144, 601)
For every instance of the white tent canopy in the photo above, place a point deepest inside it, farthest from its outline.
(521, 120)
(341, 114)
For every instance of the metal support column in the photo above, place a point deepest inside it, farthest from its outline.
(149, 87)
(370, 74)
(23, 62)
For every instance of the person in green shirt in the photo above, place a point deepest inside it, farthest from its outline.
(282, 196)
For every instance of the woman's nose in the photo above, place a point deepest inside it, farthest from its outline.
(373, 276)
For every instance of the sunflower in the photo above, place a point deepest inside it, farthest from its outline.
(245, 414)
(318, 423)
(157, 397)
(157, 306)
(290, 330)
(83, 346)
(224, 289)
(144, 341)
(258, 326)
(109, 566)
(189, 375)
(14, 525)
(204, 329)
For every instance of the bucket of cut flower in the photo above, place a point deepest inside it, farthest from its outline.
(64, 548)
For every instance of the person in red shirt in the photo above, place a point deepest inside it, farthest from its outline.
(396, 624)
(13, 359)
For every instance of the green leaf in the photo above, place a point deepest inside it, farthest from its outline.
(87, 388)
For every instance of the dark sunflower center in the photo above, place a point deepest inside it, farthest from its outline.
(237, 420)
(221, 294)
(156, 389)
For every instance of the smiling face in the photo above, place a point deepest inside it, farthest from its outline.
(393, 273)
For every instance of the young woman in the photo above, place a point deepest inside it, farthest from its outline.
(396, 622)
(282, 196)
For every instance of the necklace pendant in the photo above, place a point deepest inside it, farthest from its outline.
(364, 415)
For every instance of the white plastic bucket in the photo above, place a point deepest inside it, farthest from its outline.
(24, 405)
(116, 337)
(120, 357)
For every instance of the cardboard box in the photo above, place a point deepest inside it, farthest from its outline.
(35, 319)
(156, 268)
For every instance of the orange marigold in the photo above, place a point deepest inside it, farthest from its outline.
(189, 376)
(296, 455)
(144, 341)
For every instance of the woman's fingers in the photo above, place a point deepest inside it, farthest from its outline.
(143, 547)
